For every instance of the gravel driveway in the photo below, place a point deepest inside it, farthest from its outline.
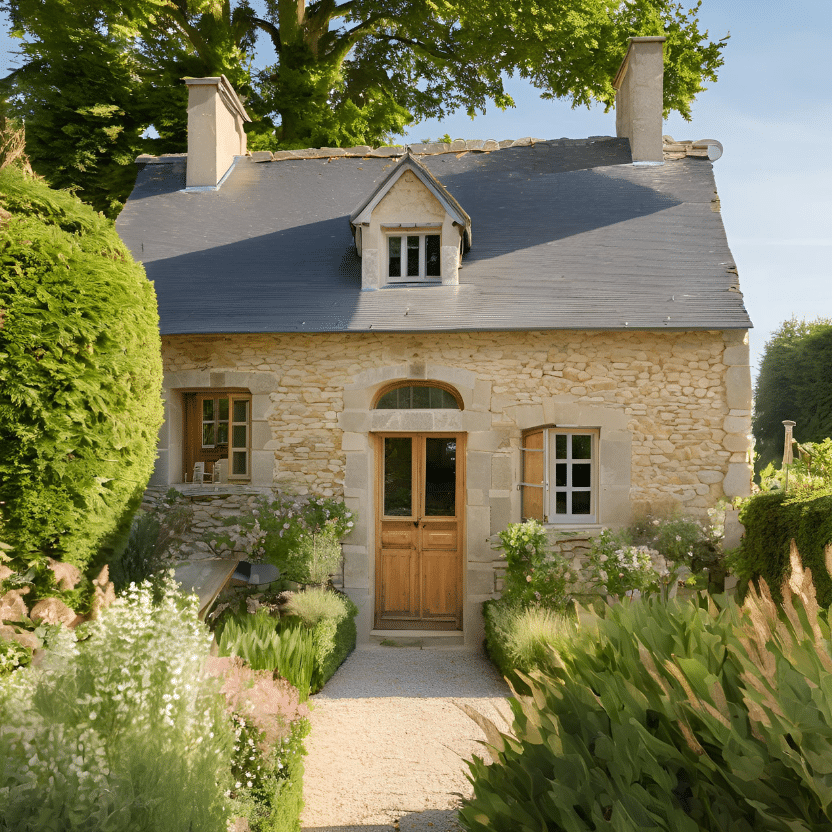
(388, 743)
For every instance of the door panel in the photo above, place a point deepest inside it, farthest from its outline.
(419, 531)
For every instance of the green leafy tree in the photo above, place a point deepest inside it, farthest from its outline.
(355, 72)
(80, 378)
(794, 383)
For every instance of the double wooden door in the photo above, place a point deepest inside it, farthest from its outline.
(419, 557)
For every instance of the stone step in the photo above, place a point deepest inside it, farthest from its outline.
(420, 639)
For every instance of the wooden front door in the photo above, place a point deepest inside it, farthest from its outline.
(419, 556)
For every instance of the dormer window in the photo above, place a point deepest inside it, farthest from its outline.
(410, 230)
(413, 257)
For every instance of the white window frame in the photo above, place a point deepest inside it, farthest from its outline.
(550, 489)
(403, 235)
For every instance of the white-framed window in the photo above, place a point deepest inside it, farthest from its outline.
(413, 257)
(559, 479)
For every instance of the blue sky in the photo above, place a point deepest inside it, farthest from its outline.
(770, 109)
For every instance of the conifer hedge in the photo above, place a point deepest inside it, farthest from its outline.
(80, 375)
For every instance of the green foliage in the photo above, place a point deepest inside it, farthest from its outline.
(332, 620)
(810, 469)
(80, 375)
(97, 74)
(151, 536)
(118, 731)
(771, 520)
(298, 535)
(536, 575)
(692, 717)
(521, 638)
(264, 643)
(794, 383)
(277, 805)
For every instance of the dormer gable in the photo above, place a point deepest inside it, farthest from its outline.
(410, 229)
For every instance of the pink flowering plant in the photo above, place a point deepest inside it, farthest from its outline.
(300, 535)
(536, 575)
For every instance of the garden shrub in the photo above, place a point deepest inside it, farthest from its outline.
(299, 535)
(118, 730)
(267, 643)
(80, 379)
(522, 638)
(771, 520)
(535, 573)
(689, 716)
(270, 726)
(332, 618)
(151, 536)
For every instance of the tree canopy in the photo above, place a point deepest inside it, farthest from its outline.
(97, 73)
(794, 383)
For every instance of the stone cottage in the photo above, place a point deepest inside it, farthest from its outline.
(452, 337)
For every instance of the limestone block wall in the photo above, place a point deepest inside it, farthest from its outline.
(672, 409)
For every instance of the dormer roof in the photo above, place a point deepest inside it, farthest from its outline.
(409, 162)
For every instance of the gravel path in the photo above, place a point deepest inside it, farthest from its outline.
(388, 743)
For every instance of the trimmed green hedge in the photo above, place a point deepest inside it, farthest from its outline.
(80, 376)
(771, 520)
(334, 640)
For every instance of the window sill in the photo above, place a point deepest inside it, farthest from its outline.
(576, 529)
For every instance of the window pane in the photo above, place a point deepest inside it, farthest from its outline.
(394, 248)
(388, 401)
(561, 446)
(581, 502)
(208, 434)
(239, 436)
(581, 445)
(561, 502)
(223, 433)
(413, 256)
(208, 410)
(561, 474)
(239, 463)
(417, 396)
(223, 409)
(241, 411)
(440, 477)
(581, 475)
(397, 486)
(420, 397)
(433, 255)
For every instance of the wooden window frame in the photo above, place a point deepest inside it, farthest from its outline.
(549, 489)
(417, 383)
(404, 277)
(193, 446)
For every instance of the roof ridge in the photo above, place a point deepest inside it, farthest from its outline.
(672, 149)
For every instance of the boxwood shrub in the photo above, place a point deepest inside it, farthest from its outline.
(80, 376)
(771, 520)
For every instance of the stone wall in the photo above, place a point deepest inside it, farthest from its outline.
(672, 411)
(685, 396)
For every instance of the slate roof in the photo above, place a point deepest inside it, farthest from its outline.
(566, 235)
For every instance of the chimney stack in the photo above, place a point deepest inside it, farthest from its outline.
(639, 85)
(215, 130)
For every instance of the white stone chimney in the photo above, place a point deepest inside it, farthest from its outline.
(215, 130)
(639, 85)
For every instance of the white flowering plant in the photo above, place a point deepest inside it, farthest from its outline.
(120, 730)
(622, 569)
(536, 575)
